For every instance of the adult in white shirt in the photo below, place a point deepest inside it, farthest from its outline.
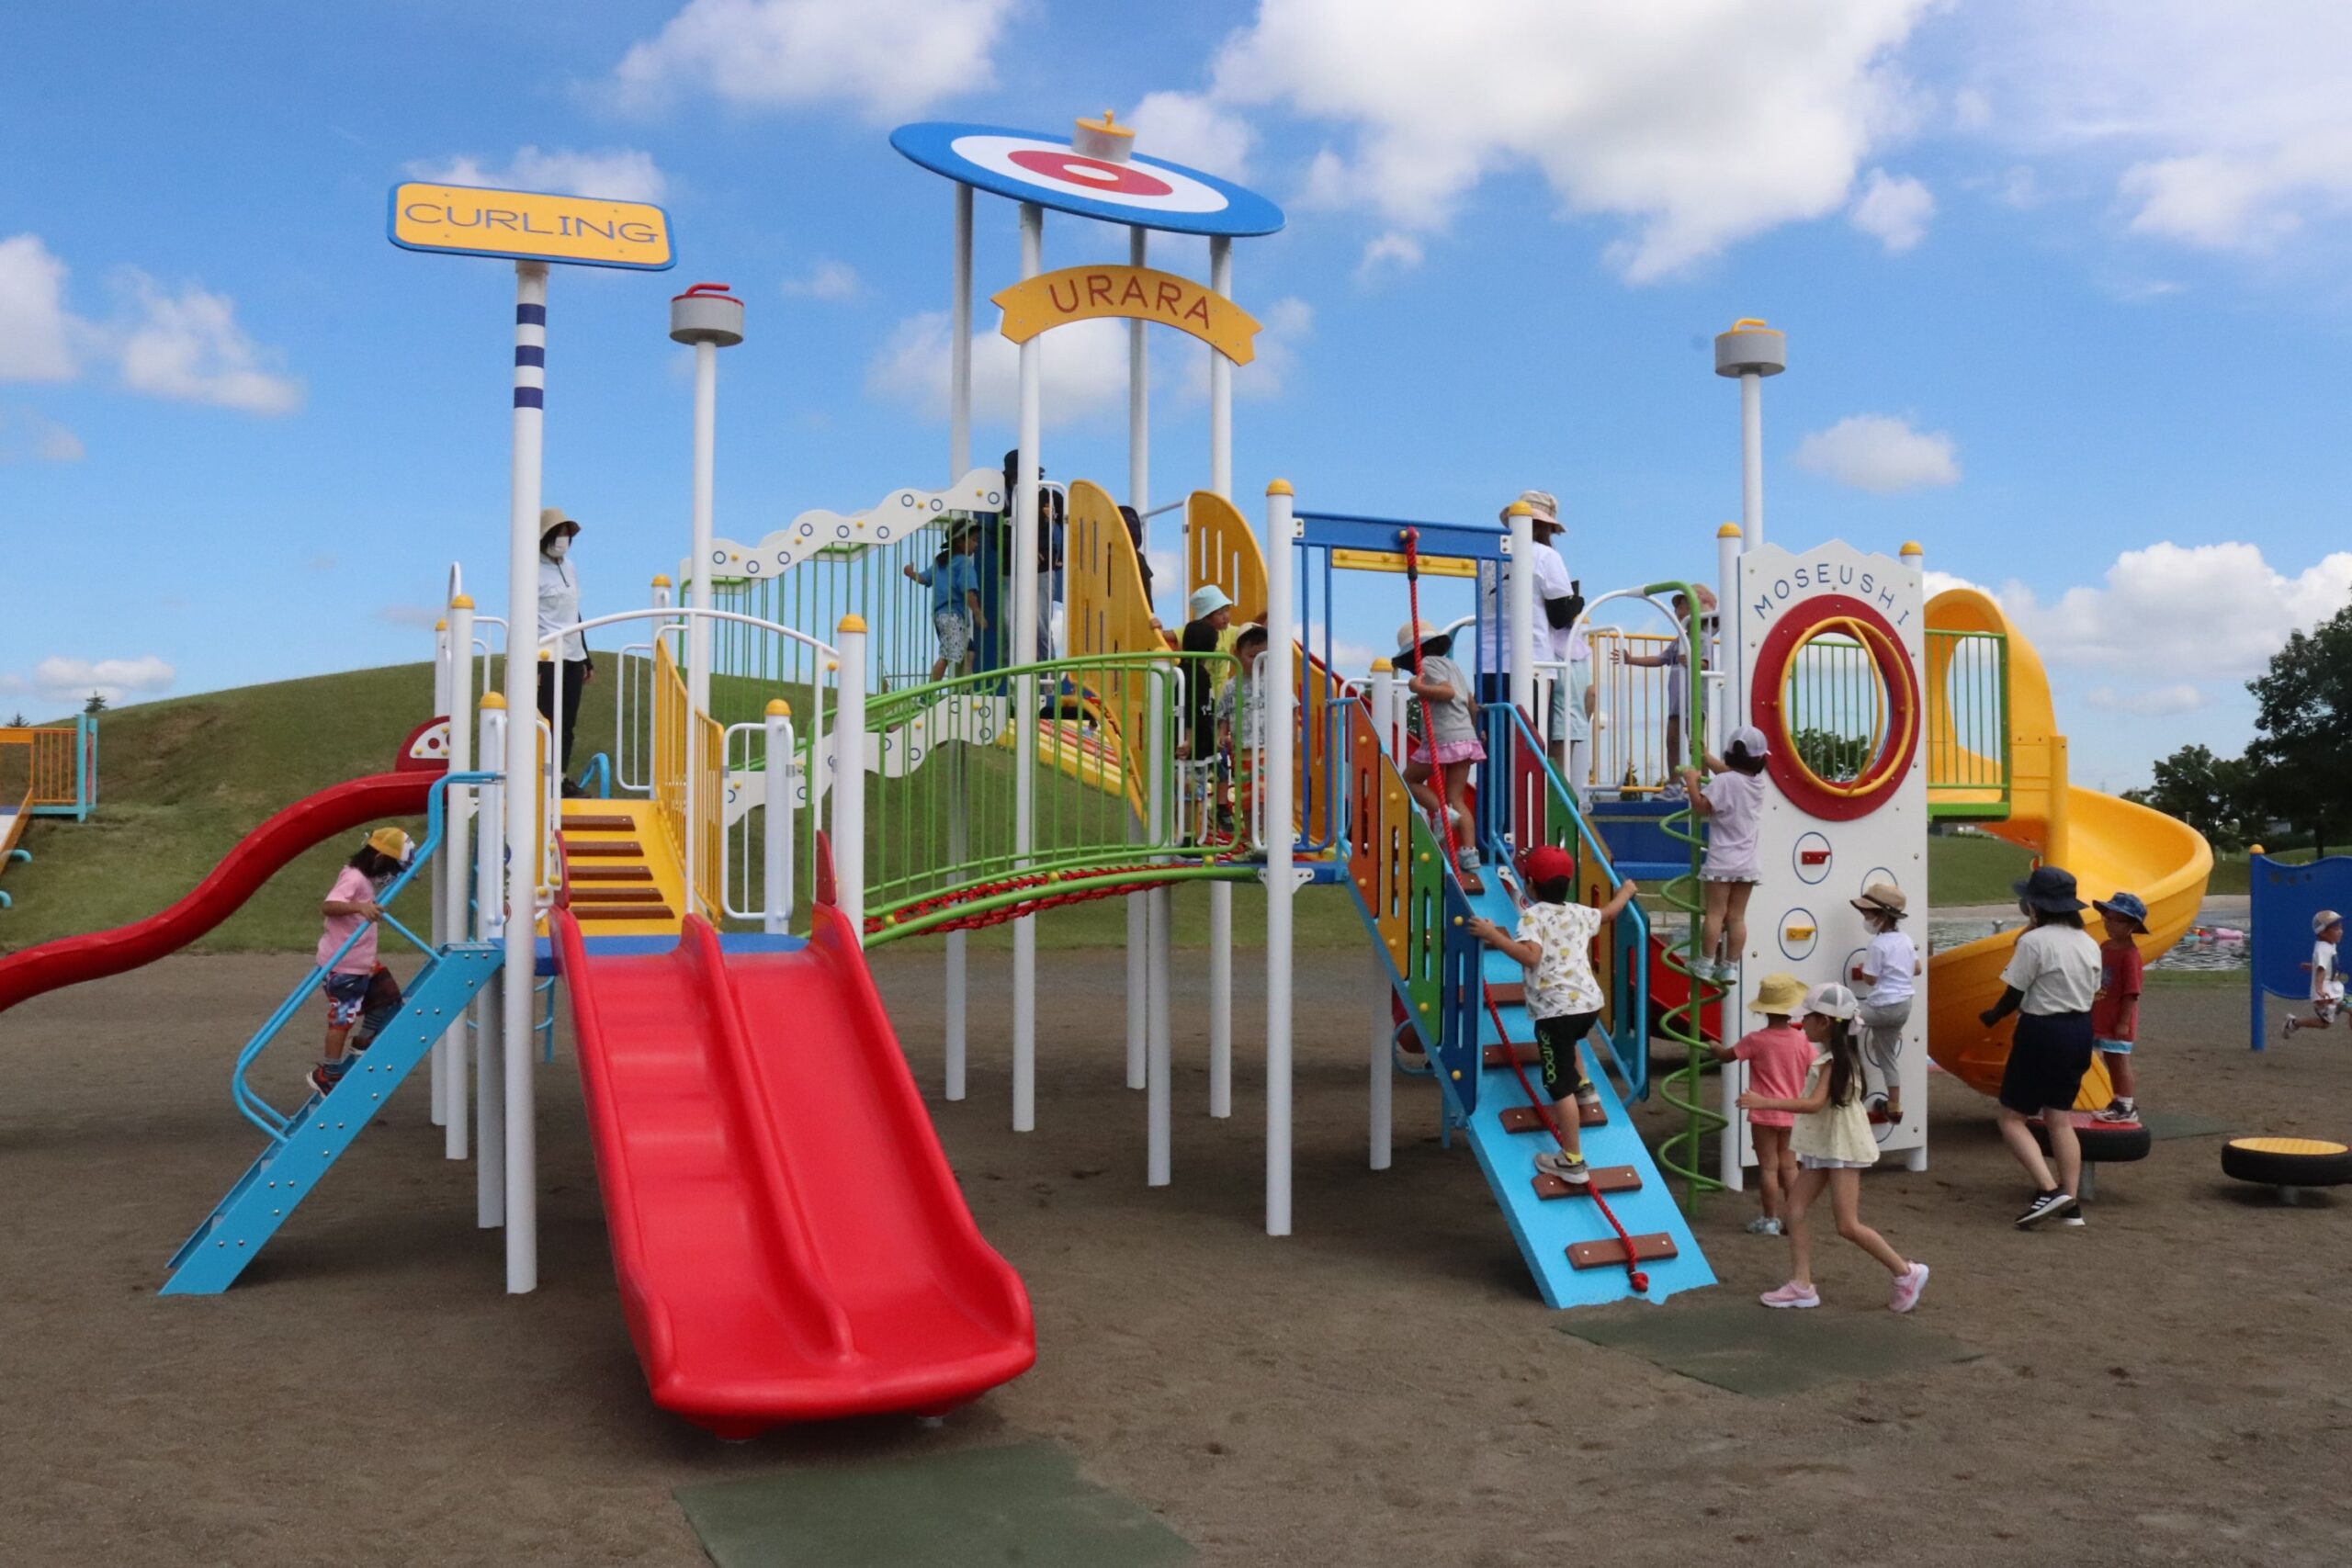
(2052, 978)
(561, 677)
(1558, 605)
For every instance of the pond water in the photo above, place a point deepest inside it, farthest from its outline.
(2192, 951)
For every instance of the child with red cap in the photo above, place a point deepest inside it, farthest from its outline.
(1553, 944)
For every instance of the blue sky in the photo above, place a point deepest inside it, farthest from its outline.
(2063, 287)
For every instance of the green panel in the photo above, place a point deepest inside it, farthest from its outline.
(1424, 915)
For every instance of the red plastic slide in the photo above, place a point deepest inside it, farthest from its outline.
(790, 1242)
(342, 809)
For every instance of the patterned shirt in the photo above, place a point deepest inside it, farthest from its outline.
(1560, 981)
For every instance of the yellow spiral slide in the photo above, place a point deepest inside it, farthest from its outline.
(2110, 844)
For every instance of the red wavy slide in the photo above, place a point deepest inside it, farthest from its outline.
(340, 808)
(790, 1242)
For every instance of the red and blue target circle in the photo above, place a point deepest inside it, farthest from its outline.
(1146, 193)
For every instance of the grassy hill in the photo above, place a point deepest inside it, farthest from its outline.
(181, 780)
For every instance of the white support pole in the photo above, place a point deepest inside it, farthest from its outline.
(522, 793)
(1138, 497)
(1520, 607)
(490, 925)
(959, 460)
(1280, 702)
(456, 851)
(444, 643)
(1751, 456)
(1159, 913)
(1727, 708)
(1384, 1071)
(775, 843)
(1025, 689)
(698, 597)
(1221, 893)
(849, 777)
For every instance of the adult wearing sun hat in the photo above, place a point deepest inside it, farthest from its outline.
(561, 678)
(2052, 978)
(1558, 605)
(1888, 970)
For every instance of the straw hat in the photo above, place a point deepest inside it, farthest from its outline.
(553, 521)
(1542, 502)
(1882, 898)
(2323, 919)
(1780, 992)
(1412, 635)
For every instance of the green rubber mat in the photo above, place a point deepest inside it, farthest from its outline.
(2162, 1124)
(1023, 1504)
(1754, 1350)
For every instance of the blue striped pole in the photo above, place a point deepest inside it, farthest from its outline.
(522, 792)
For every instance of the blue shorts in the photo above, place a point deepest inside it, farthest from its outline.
(346, 998)
(2114, 1047)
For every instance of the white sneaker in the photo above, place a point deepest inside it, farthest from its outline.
(1762, 1226)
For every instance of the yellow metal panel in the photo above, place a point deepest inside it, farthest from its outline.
(531, 224)
(1390, 561)
(1139, 293)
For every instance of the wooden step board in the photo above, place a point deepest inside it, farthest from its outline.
(623, 912)
(1523, 1119)
(587, 824)
(606, 849)
(1502, 993)
(1612, 1253)
(609, 874)
(1604, 1179)
(634, 894)
(1530, 1055)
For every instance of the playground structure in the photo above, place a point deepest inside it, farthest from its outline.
(46, 770)
(788, 1242)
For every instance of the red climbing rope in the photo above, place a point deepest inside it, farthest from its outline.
(1634, 1276)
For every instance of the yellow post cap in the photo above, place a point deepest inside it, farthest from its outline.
(493, 700)
(1728, 531)
(1379, 665)
(1911, 547)
(442, 625)
(779, 708)
(547, 655)
(1749, 322)
(661, 579)
(2253, 849)
(462, 602)
(1519, 508)
(1279, 487)
(852, 622)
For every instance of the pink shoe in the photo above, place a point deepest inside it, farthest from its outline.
(1791, 1295)
(1908, 1288)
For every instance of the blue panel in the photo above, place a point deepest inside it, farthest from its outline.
(1452, 541)
(2284, 899)
(932, 144)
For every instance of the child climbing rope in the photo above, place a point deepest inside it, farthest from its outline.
(1443, 730)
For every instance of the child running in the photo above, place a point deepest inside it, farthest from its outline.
(2115, 1011)
(349, 907)
(2328, 989)
(1890, 967)
(1450, 739)
(955, 584)
(1777, 1056)
(1733, 804)
(1833, 1146)
(2051, 981)
(1555, 946)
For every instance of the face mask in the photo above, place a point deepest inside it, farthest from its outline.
(556, 547)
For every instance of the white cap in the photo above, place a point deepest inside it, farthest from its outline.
(1751, 739)
(1832, 1000)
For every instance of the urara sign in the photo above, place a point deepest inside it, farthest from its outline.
(531, 226)
(1139, 293)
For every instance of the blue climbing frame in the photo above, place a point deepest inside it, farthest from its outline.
(2284, 897)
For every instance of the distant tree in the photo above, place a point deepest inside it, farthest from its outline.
(2213, 794)
(98, 703)
(2302, 709)
(1832, 757)
(19, 722)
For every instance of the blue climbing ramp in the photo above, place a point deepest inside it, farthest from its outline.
(305, 1148)
(1547, 1227)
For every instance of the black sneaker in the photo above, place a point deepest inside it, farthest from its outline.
(2048, 1206)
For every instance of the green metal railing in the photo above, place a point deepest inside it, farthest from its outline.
(1968, 725)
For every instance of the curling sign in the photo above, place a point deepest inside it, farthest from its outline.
(531, 226)
(1139, 293)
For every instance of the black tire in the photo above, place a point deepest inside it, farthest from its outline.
(2105, 1142)
(2287, 1162)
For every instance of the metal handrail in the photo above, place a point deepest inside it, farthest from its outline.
(274, 1124)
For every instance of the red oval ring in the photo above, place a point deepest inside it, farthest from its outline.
(1893, 661)
(1125, 178)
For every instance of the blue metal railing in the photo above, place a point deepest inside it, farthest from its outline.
(273, 1123)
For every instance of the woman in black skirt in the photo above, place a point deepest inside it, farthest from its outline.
(2052, 978)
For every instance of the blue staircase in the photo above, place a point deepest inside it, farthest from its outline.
(313, 1138)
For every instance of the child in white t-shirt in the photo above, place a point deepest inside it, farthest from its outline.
(2327, 987)
(1889, 967)
(1733, 805)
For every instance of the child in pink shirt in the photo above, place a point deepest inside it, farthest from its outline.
(1777, 1056)
(350, 914)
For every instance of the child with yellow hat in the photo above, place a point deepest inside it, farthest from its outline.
(359, 991)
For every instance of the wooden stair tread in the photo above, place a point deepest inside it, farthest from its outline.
(585, 823)
(609, 874)
(617, 849)
(623, 912)
(1605, 1178)
(638, 893)
(1523, 1119)
(1529, 1054)
(1507, 993)
(1602, 1254)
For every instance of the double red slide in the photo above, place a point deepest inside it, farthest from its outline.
(790, 1242)
(341, 808)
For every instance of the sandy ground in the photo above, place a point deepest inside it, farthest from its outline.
(2167, 1385)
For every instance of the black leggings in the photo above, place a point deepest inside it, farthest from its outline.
(1557, 1039)
(574, 675)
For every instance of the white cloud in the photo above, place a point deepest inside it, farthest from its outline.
(2231, 121)
(36, 334)
(1700, 123)
(1932, 582)
(188, 346)
(2153, 701)
(1082, 370)
(2213, 612)
(59, 678)
(890, 58)
(28, 436)
(415, 618)
(1893, 210)
(621, 173)
(1395, 250)
(828, 280)
(1878, 452)
(1191, 129)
